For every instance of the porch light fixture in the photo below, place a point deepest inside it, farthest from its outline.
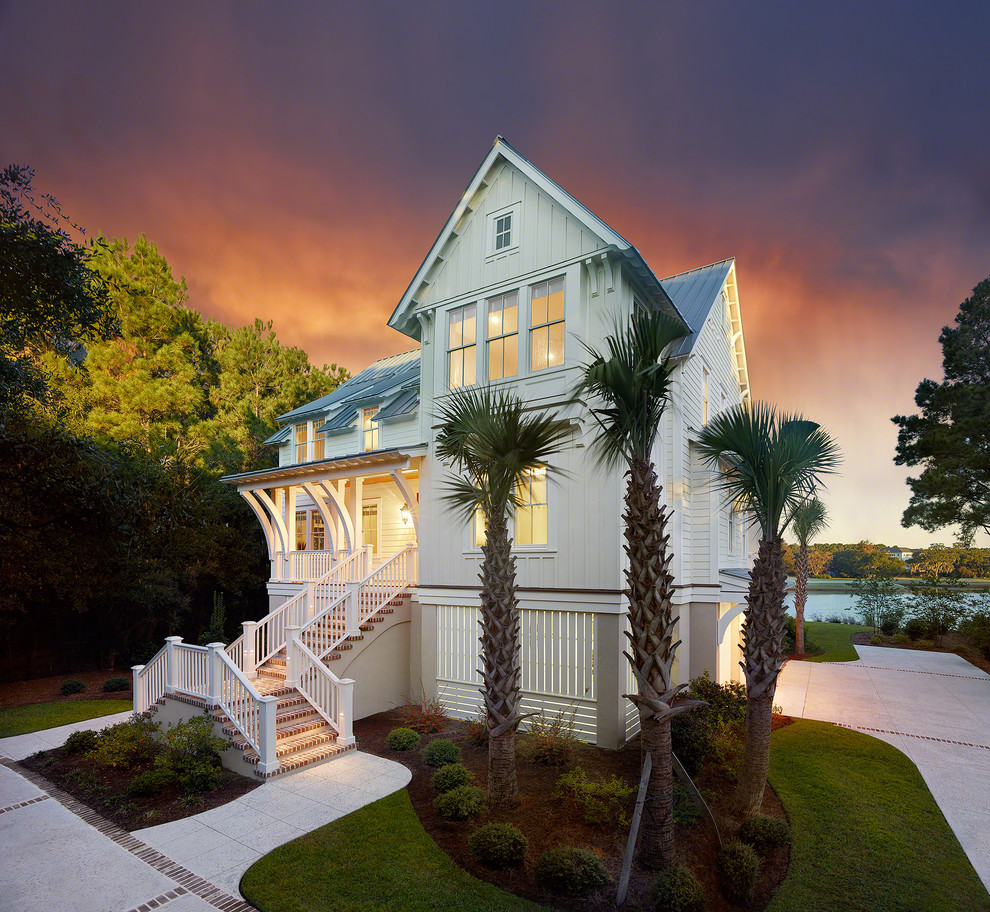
(405, 514)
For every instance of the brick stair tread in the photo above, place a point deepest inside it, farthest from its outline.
(285, 749)
(305, 758)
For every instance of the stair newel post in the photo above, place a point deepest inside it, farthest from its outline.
(352, 620)
(310, 601)
(345, 713)
(215, 671)
(140, 701)
(268, 761)
(172, 664)
(292, 657)
(412, 570)
(249, 655)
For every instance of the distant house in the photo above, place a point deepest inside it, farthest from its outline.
(901, 554)
(374, 581)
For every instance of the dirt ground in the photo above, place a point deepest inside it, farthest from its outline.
(549, 818)
(46, 690)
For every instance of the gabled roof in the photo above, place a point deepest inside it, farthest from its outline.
(694, 293)
(403, 318)
(391, 383)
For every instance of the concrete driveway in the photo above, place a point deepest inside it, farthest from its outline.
(932, 706)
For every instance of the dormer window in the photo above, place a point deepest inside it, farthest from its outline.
(503, 232)
(370, 425)
(302, 443)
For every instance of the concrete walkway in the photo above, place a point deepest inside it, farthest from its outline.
(932, 706)
(60, 857)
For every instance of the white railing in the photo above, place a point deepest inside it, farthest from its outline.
(385, 583)
(311, 565)
(329, 628)
(330, 696)
(150, 681)
(209, 673)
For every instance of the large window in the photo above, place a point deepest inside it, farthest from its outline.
(319, 537)
(547, 324)
(370, 425)
(301, 531)
(462, 348)
(531, 513)
(302, 443)
(369, 526)
(503, 336)
(319, 441)
(480, 528)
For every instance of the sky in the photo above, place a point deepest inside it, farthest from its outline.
(295, 161)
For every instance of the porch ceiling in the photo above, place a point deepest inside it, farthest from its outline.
(381, 462)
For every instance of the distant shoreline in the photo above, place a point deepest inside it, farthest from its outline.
(846, 585)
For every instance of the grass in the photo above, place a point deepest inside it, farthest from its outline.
(868, 836)
(19, 720)
(378, 859)
(834, 639)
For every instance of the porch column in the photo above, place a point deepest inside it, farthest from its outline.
(355, 507)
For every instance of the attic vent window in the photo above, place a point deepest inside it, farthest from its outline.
(503, 231)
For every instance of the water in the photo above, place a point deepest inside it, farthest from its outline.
(826, 604)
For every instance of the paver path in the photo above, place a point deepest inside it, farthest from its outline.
(932, 706)
(53, 860)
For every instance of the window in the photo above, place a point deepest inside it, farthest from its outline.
(319, 533)
(302, 443)
(370, 429)
(704, 395)
(463, 348)
(531, 513)
(319, 441)
(734, 529)
(300, 531)
(480, 528)
(547, 324)
(369, 526)
(503, 336)
(503, 231)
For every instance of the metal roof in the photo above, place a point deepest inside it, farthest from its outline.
(694, 293)
(405, 403)
(281, 436)
(380, 459)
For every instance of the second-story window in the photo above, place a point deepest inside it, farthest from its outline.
(370, 425)
(319, 441)
(503, 231)
(503, 336)
(531, 511)
(547, 324)
(302, 443)
(462, 348)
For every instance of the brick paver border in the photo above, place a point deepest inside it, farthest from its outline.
(186, 880)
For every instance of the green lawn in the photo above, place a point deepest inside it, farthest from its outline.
(19, 720)
(868, 836)
(378, 859)
(834, 639)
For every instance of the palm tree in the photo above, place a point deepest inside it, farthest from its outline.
(496, 444)
(807, 521)
(633, 378)
(770, 463)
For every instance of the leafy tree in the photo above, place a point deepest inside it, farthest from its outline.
(880, 601)
(938, 560)
(632, 380)
(496, 444)
(940, 603)
(819, 559)
(770, 463)
(950, 438)
(49, 299)
(808, 520)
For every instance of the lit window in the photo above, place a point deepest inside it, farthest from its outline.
(300, 531)
(319, 533)
(370, 429)
(547, 324)
(704, 395)
(480, 528)
(463, 347)
(503, 231)
(369, 526)
(531, 511)
(319, 441)
(503, 336)
(302, 443)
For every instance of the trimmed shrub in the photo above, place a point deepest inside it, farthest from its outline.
(460, 803)
(915, 628)
(151, 782)
(127, 743)
(676, 889)
(691, 739)
(765, 833)
(80, 742)
(191, 752)
(738, 866)
(71, 686)
(113, 685)
(402, 739)
(441, 752)
(600, 799)
(570, 871)
(498, 845)
(890, 625)
(451, 776)
(901, 639)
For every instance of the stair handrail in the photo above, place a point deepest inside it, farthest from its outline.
(385, 582)
(330, 696)
(150, 681)
(252, 714)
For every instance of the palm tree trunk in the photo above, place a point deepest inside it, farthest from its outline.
(763, 637)
(500, 654)
(800, 596)
(651, 651)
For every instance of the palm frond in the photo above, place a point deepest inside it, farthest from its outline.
(808, 520)
(770, 462)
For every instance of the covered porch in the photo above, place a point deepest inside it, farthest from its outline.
(317, 514)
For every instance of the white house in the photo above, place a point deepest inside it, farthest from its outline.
(374, 584)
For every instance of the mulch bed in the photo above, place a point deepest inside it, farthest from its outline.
(549, 819)
(46, 690)
(951, 642)
(104, 789)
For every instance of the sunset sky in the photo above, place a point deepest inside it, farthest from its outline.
(295, 162)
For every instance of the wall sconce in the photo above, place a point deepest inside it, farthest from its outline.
(405, 514)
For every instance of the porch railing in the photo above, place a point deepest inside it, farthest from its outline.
(302, 566)
(207, 672)
(330, 696)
